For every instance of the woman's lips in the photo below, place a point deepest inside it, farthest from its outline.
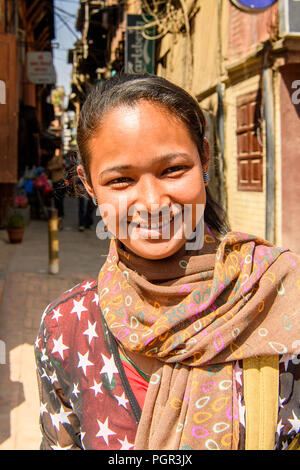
(154, 229)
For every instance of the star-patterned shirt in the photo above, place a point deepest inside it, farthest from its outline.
(87, 396)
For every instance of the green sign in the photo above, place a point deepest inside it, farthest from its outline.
(139, 51)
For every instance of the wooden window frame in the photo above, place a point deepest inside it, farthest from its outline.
(249, 149)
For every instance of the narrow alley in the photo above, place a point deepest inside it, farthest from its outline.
(26, 288)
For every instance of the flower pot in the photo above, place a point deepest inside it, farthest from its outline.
(15, 234)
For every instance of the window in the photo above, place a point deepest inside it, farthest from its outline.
(249, 143)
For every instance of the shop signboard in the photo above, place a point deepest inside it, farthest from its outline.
(40, 68)
(139, 51)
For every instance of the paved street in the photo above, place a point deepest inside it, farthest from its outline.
(26, 288)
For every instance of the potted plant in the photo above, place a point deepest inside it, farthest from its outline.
(15, 227)
(22, 206)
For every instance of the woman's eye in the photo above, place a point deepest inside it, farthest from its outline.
(122, 181)
(174, 169)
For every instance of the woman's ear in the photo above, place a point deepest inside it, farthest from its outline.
(82, 176)
(205, 155)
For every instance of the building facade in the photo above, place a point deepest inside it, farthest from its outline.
(243, 67)
(25, 26)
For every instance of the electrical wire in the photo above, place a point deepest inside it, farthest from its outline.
(74, 2)
(66, 24)
(160, 18)
(64, 12)
(168, 19)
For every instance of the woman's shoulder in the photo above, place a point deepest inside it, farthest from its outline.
(73, 308)
(261, 247)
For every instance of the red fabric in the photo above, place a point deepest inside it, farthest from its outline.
(137, 383)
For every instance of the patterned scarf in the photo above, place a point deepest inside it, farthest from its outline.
(197, 314)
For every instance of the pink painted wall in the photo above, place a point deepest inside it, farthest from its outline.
(290, 148)
(247, 30)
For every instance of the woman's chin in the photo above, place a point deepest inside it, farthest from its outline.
(154, 249)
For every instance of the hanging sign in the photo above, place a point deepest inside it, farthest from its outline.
(253, 6)
(139, 51)
(40, 68)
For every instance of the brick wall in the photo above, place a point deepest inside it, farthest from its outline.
(247, 31)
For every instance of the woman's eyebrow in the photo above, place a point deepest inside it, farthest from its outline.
(159, 159)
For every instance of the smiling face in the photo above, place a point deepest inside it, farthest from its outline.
(146, 168)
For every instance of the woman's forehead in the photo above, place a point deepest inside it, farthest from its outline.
(144, 128)
(139, 110)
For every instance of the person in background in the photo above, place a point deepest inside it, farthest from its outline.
(86, 209)
(56, 169)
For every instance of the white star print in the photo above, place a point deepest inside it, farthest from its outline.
(63, 415)
(87, 285)
(109, 367)
(56, 314)
(82, 434)
(44, 374)
(53, 377)
(241, 411)
(96, 299)
(44, 356)
(238, 376)
(75, 390)
(279, 427)
(43, 408)
(59, 418)
(78, 307)
(58, 447)
(125, 444)
(91, 331)
(104, 431)
(285, 445)
(281, 402)
(295, 423)
(97, 387)
(59, 346)
(84, 362)
(122, 400)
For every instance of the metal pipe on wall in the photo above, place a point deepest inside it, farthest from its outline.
(270, 147)
(220, 130)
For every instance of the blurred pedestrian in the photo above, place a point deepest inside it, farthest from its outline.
(57, 175)
(86, 209)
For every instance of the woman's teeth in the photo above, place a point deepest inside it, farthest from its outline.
(153, 226)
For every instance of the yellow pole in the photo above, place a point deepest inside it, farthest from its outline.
(53, 243)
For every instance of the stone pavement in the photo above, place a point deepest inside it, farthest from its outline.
(26, 288)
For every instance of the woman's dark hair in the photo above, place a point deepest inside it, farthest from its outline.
(127, 90)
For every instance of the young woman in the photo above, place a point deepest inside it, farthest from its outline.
(159, 351)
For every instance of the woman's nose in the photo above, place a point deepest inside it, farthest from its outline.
(151, 195)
